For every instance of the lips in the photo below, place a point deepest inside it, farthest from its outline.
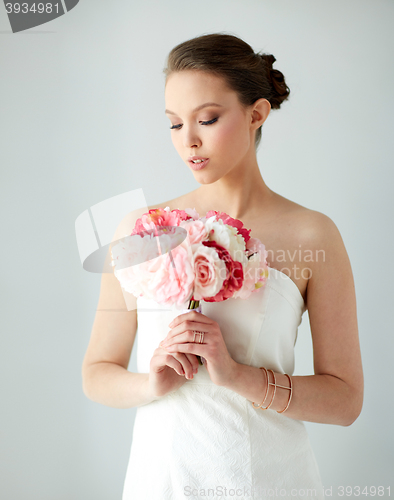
(194, 158)
(197, 162)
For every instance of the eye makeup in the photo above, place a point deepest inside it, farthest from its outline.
(209, 122)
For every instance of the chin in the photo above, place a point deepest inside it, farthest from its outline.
(205, 179)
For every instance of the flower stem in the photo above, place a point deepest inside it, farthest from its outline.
(194, 304)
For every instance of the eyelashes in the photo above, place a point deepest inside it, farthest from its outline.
(209, 122)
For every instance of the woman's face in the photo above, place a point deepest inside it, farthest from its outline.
(208, 121)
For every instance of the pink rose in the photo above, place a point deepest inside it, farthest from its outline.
(234, 279)
(210, 273)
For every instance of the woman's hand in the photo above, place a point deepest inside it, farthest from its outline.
(168, 371)
(220, 365)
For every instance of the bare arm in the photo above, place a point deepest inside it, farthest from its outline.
(105, 377)
(334, 394)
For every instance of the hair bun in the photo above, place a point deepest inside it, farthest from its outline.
(269, 60)
(277, 80)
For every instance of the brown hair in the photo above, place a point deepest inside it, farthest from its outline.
(248, 73)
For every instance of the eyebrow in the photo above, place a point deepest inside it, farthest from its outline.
(206, 105)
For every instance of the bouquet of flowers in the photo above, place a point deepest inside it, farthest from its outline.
(212, 258)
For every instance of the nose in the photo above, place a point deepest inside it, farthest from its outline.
(191, 139)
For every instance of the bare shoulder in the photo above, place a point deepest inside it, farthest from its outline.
(320, 234)
(322, 257)
(317, 228)
(300, 241)
(175, 203)
(303, 226)
(330, 263)
(327, 252)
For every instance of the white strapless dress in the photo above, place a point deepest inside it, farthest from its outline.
(206, 441)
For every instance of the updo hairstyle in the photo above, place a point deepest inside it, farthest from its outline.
(248, 73)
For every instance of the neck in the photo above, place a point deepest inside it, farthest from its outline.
(239, 195)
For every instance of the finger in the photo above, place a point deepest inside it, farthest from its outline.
(185, 362)
(193, 361)
(193, 317)
(177, 338)
(190, 348)
(162, 358)
(175, 364)
(183, 337)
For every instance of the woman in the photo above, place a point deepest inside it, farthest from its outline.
(199, 430)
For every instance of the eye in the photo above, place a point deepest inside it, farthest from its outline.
(177, 127)
(209, 122)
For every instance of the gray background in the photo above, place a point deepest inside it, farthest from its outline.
(82, 120)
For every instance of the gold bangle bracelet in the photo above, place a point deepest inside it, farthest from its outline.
(275, 385)
(273, 395)
(266, 391)
(290, 395)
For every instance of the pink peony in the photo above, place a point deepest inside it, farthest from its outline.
(159, 280)
(196, 231)
(160, 217)
(171, 284)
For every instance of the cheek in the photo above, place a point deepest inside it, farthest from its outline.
(232, 136)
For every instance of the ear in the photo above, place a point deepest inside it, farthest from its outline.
(259, 112)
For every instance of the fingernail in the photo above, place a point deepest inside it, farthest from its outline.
(172, 322)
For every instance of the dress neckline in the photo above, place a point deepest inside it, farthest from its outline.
(292, 285)
(284, 278)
